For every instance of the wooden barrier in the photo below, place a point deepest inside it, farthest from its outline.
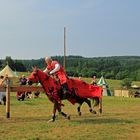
(121, 92)
(22, 88)
(9, 89)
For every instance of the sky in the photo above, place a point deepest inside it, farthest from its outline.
(33, 29)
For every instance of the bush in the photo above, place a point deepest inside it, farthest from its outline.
(126, 82)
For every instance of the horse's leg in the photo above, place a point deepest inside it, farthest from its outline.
(62, 113)
(79, 108)
(81, 101)
(54, 112)
(98, 101)
(90, 108)
(100, 105)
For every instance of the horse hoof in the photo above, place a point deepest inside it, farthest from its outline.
(68, 117)
(79, 113)
(90, 110)
(51, 120)
(94, 112)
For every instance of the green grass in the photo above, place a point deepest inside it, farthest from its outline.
(120, 120)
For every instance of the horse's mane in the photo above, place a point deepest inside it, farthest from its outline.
(42, 74)
(47, 81)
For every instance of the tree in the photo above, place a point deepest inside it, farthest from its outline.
(126, 82)
(18, 66)
(8, 60)
(0, 64)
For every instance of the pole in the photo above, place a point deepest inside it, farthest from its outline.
(7, 98)
(64, 62)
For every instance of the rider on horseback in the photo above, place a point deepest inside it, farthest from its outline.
(54, 68)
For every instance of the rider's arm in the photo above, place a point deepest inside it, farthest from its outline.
(57, 68)
(46, 70)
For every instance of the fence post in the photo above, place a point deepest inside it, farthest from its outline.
(7, 98)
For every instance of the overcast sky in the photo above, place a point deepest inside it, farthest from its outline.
(32, 29)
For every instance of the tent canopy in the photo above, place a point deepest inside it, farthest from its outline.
(7, 70)
(103, 83)
(135, 86)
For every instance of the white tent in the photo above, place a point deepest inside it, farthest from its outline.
(103, 83)
(7, 70)
(135, 86)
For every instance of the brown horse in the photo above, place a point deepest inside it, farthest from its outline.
(55, 93)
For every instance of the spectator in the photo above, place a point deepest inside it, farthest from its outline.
(93, 82)
(21, 95)
(36, 94)
(3, 94)
(23, 80)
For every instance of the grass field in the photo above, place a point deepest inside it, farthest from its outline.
(120, 120)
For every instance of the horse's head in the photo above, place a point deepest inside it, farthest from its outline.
(37, 76)
(33, 77)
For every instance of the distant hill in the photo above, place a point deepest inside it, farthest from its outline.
(115, 67)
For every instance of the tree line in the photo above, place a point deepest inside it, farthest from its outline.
(115, 67)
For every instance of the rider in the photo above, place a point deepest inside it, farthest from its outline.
(53, 67)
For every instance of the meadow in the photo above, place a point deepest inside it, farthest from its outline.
(120, 120)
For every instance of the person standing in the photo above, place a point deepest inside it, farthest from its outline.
(93, 82)
(3, 94)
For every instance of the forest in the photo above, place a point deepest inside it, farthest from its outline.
(114, 67)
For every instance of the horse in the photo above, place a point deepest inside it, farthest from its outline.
(54, 92)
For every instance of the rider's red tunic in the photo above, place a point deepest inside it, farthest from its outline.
(61, 74)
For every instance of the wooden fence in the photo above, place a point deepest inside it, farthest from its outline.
(120, 92)
(9, 89)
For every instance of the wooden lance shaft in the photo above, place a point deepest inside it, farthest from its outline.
(7, 98)
(64, 63)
